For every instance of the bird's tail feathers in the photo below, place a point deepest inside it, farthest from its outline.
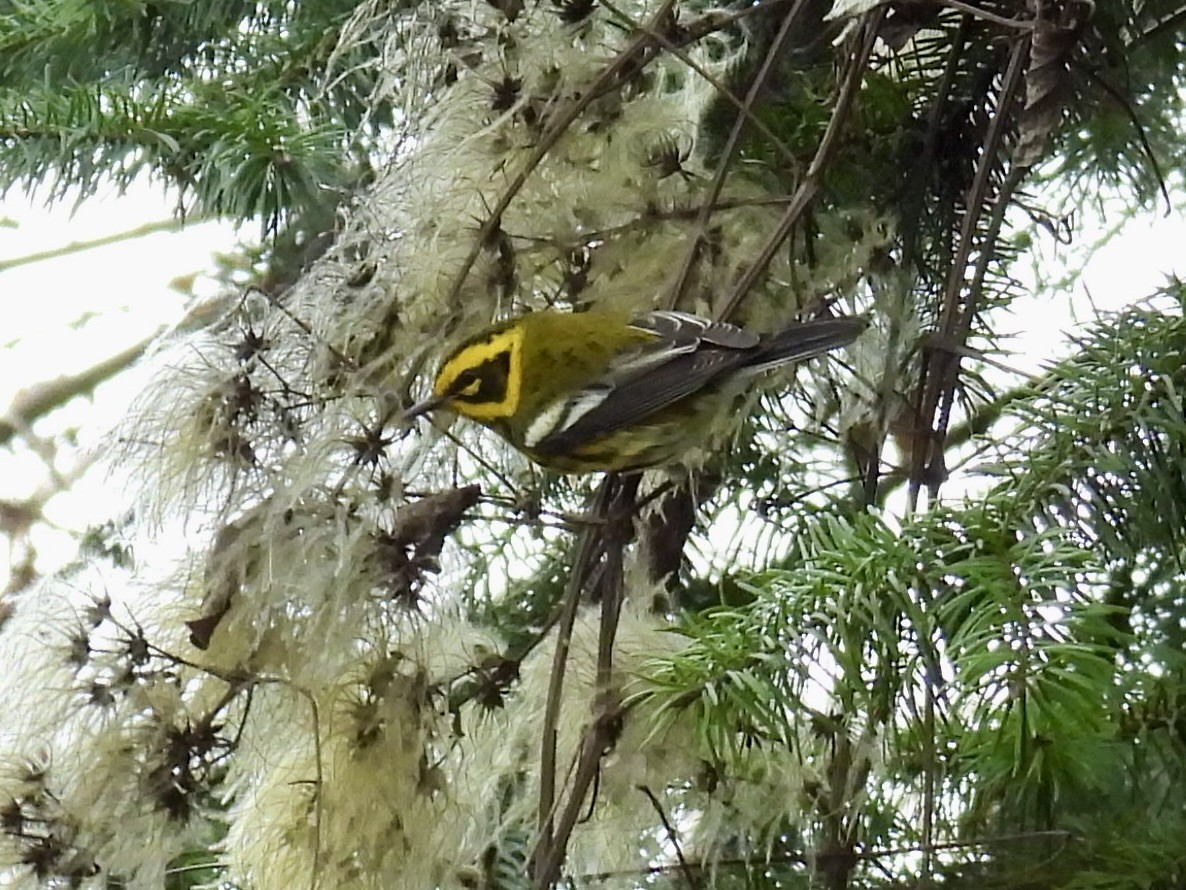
(804, 340)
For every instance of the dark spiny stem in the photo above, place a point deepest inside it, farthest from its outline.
(727, 155)
(942, 371)
(615, 503)
(634, 54)
(813, 180)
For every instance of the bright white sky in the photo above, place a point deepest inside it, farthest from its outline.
(1150, 249)
(63, 315)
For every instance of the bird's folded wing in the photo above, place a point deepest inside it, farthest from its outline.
(680, 328)
(628, 396)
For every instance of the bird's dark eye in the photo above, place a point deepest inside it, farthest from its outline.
(467, 383)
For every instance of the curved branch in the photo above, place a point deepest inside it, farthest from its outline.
(33, 403)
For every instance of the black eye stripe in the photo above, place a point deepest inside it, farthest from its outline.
(492, 376)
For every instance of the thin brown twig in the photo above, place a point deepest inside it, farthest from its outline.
(923, 166)
(812, 180)
(710, 205)
(943, 369)
(1124, 103)
(975, 288)
(633, 54)
(619, 494)
(685, 868)
(652, 214)
(741, 105)
(150, 228)
(611, 607)
(984, 15)
(34, 402)
(593, 747)
(915, 192)
(715, 21)
(800, 859)
(980, 184)
(958, 323)
(588, 546)
(279, 305)
(471, 449)
(701, 27)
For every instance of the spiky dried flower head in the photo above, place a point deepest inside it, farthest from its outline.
(310, 665)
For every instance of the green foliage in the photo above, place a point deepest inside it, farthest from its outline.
(990, 692)
(194, 870)
(232, 104)
(997, 650)
(1124, 132)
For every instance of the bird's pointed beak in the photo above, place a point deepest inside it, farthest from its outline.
(424, 406)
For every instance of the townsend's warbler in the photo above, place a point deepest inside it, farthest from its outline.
(589, 391)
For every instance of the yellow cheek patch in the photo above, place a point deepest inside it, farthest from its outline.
(473, 357)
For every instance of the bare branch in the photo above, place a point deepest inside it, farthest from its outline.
(813, 180)
(36, 401)
(151, 228)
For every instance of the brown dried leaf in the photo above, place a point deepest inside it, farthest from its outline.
(1058, 25)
